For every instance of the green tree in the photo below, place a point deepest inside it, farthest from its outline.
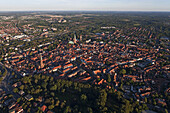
(83, 97)
(44, 85)
(21, 87)
(166, 111)
(13, 73)
(25, 106)
(47, 101)
(127, 107)
(15, 90)
(108, 78)
(102, 98)
(53, 88)
(146, 100)
(50, 107)
(154, 102)
(90, 110)
(19, 99)
(29, 110)
(1, 79)
(67, 110)
(123, 72)
(62, 104)
(119, 95)
(52, 94)
(57, 103)
(36, 81)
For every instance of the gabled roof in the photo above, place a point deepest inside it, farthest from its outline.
(43, 108)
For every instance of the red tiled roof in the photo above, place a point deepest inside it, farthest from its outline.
(64, 71)
(68, 65)
(96, 71)
(57, 67)
(85, 79)
(43, 108)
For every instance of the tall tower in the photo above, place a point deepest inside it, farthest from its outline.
(41, 60)
(81, 37)
(75, 39)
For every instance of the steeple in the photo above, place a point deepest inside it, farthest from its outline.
(41, 60)
(75, 39)
(81, 37)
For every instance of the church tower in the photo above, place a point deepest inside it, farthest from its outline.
(81, 37)
(75, 39)
(41, 61)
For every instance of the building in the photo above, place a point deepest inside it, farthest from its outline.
(28, 97)
(81, 37)
(75, 39)
(42, 64)
(71, 42)
(21, 92)
(43, 108)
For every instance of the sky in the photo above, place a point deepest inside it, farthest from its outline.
(85, 5)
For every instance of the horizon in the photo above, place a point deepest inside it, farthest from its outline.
(85, 11)
(86, 5)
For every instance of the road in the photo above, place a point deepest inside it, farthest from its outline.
(5, 83)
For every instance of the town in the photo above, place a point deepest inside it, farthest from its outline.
(44, 56)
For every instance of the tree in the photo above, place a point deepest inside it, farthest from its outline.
(15, 90)
(146, 100)
(29, 110)
(63, 90)
(44, 85)
(1, 79)
(83, 97)
(145, 107)
(154, 102)
(25, 106)
(13, 73)
(90, 110)
(62, 104)
(102, 98)
(10, 96)
(51, 79)
(19, 99)
(67, 110)
(121, 86)
(136, 110)
(108, 78)
(52, 94)
(123, 72)
(47, 101)
(37, 91)
(127, 107)
(50, 107)
(53, 88)
(21, 87)
(4, 74)
(166, 111)
(119, 95)
(57, 103)
(104, 109)
(36, 81)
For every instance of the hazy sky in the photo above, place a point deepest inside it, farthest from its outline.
(87, 5)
